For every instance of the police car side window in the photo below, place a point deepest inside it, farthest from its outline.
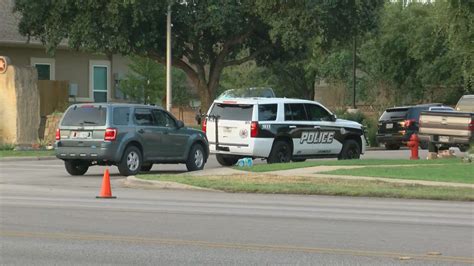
(295, 112)
(267, 112)
(317, 113)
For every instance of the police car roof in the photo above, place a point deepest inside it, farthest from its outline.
(257, 100)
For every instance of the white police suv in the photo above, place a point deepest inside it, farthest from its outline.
(280, 130)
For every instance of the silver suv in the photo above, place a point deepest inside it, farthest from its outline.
(133, 137)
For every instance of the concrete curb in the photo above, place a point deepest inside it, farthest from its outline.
(133, 182)
(28, 158)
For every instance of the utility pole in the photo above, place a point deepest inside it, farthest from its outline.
(168, 60)
(354, 65)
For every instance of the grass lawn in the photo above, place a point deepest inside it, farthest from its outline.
(293, 165)
(262, 183)
(33, 153)
(459, 172)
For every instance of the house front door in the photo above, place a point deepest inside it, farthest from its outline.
(100, 83)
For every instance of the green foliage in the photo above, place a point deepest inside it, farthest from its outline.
(370, 123)
(208, 35)
(181, 91)
(246, 75)
(146, 82)
(413, 54)
(7, 146)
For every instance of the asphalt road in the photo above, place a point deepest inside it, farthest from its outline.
(48, 217)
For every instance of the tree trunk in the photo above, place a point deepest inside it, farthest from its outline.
(205, 95)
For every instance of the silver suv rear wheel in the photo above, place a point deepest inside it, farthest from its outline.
(131, 161)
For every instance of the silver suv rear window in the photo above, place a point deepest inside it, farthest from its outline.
(86, 115)
(241, 112)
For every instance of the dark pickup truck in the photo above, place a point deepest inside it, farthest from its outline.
(449, 129)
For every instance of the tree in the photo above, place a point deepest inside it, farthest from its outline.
(412, 54)
(208, 35)
(145, 82)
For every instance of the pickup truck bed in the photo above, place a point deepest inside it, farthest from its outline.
(447, 129)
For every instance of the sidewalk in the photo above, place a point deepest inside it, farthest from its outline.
(316, 173)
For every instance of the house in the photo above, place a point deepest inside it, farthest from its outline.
(91, 77)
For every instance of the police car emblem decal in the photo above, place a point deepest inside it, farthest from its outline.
(243, 133)
(316, 137)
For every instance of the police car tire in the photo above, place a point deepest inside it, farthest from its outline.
(281, 152)
(298, 160)
(226, 160)
(75, 167)
(350, 150)
(423, 145)
(146, 167)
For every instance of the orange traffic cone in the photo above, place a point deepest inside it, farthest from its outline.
(106, 192)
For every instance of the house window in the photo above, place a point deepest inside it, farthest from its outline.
(45, 68)
(44, 71)
(99, 80)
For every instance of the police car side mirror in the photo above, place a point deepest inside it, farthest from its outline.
(333, 117)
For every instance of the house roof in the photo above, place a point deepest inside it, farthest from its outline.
(9, 34)
(9, 27)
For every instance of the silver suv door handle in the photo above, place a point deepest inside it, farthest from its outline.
(141, 131)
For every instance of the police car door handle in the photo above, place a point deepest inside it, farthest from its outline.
(317, 127)
(292, 126)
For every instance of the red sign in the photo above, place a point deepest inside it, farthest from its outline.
(3, 65)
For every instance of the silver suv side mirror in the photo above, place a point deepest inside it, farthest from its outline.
(179, 124)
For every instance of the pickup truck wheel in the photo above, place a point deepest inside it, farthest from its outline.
(432, 147)
(146, 167)
(196, 158)
(350, 150)
(76, 167)
(392, 146)
(423, 145)
(463, 148)
(281, 152)
(226, 160)
(131, 161)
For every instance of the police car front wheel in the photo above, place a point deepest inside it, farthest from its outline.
(281, 152)
(350, 150)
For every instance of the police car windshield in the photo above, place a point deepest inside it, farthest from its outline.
(241, 112)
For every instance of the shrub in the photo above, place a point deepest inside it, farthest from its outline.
(369, 123)
(7, 147)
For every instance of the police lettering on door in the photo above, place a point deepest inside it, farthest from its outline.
(316, 137)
